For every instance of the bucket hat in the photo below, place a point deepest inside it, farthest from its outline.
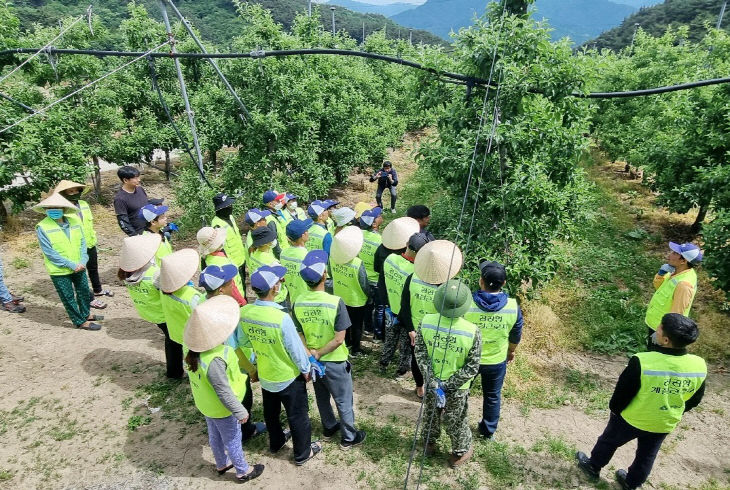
(343, 216)
(211, 323)
(452, 299)
(53, 201)
(210, 239)
(262, 236)
(138, 250)
(223, 200)
(177, 269)
(65, 185)
(398, 231)
(438, 261)
(346, 244)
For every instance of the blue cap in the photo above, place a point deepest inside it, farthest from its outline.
(330, 203)
(255, 215)
(291, 197)
(271, 195)
(267, 276)
(316, 208)
(150, 211)
(214, 276)
(368, 217)
(689, 251)
(313, 266)
(296, 228)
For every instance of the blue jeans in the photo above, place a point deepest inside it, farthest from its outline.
(4, 293)
(492, 381)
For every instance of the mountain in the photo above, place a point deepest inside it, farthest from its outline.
(637, 4)
(655, 20)
(387, 10)
(579, 19)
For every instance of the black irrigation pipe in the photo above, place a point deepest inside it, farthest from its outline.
(17, 102)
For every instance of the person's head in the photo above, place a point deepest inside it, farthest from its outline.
(343, 216)
(129, 176)
(676, 331)
(438, 261)
(210, 240)
(178, 269)
(416, 243)
(492, 276)
(371, 219)
(387, 165)
(420, 213)
(266, 281)
(291, 202)
(209, 325)
(263, 238)
(70, 190)
(452, 299)
(256, 218)
(138, 254)
(223, 204)
(684, 256)
(218, 280)
(297, 231)
(396, 234)
(313, 269)
(319, 210)
(274, 200)
(54, 206)
(155, 216)
(346, 245)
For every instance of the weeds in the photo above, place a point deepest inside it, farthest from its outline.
(137, 421)
(20, 263)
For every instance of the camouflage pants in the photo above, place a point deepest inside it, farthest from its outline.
(396, 338)
(455, 418)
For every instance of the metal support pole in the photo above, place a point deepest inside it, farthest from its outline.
(333, 21)
(244, 112)
(309, 8)
(363, 32)
(410, 36)
(722, 14)
(633, 38)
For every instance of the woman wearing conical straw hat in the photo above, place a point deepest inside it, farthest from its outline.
(212, 242)
(179, 297)
(62, 241)
(138, 270)
(218, 384)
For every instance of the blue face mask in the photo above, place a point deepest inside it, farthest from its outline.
(54, 213)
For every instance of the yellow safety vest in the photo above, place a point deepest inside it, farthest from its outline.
(178, 307)
(87, 223)
(661, 302)
(292, 258)
(346, 283)
(370, 244)
(259, 258)
(262, 326)
(448, 342)
(280, 229)
(396, 270)
(495, 327)
(205, 397)
(233, 245)
(317, 232)
(68, 247)
(422, 294)
(316, 312)
(146, 297)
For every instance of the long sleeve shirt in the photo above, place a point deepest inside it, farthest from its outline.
(383, 180)
(683, 294)
(219, 381)
(56, 258)
(404, 317)
(463, 375)
(362, 278)
(127, 206)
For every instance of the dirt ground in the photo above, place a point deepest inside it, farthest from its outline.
(82, 409)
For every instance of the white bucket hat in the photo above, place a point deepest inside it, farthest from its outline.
(53, 201)
(346, 244)
(438, 261)
(343, 216)
(398, 231)
(210, 239)
(211, 323)
(177, 269)
(138, 250)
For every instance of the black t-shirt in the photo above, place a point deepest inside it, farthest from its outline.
(128, 204)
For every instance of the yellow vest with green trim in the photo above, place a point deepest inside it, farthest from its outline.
(234, 243)
(667, 382)
(422, 294)
(346, 283)
(661, 302)
(163, 250)
(396, 270)
(262, 326)
(370, 244)
(220, 262)
(316, 237)
(292, 258)
(204, 395)
(178, 307)
(316, 312)
(259, 258)
(495, 327)
(68, 247)
(87, 223)
(280, 229)
(146, 297)
(448, 342)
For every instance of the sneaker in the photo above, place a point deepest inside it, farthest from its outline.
(328, 433)
(584, 462)
(392, 210)
(360, 437)
(456, 460)
(621, 476)
(12, 307)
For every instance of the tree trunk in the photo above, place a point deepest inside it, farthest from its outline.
(97, 178)
(213, 157)
(168, 164)
(3, 213)
(697, 225)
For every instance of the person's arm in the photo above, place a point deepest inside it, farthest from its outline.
(375, 176)
(122, 212)
(696, 398)
(682, 298)
(362, 279)
(84, 252)
(219, 381)
(342, 323)
(469, 369)
(424, 362)
(394, 182)
(294, 346)
(658, 281)
(627, 386)
(327, 243)
(404, 317)
(56, 258)
(515, 335)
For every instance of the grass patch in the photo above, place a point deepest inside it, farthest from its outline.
(555, 446)
(173, 398)
(6, 475)
(66, 429)
(20, 263)
(137, 421)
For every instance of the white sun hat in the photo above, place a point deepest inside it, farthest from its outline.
(343, 216)
(438, 261)
(210, 239)
(177, 269)
(138, 250)
(211, 323)
(398, 231)
(346, 244)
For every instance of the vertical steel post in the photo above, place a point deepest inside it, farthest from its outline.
(722, 14)
(333, 21)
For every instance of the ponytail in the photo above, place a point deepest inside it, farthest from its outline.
(192, 360)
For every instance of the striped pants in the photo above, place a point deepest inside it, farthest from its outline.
(73, 289)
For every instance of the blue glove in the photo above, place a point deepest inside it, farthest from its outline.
(666, 268)
(317, 369)
(172, 227)
(440, 397)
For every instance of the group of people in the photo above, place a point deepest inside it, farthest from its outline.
(321, 276)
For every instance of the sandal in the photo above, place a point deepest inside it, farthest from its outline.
(222, 471)
(95, 318)
(105, 292)
(287, 436)
(89, 326)
(98, 304)
(316, 448)
(254, 473)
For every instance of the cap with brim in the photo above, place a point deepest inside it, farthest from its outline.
(493, 273)
(266, 277)
(138, 250)
(689, 251)
(313, 266)
(54, 201)
(369, 216)
(255, 215)
(211, 323)
(213, 276)
(210, 239)
(346, 245)
(150, 212)
(262, 236)
(273, 196)
(329, 203)
(438, 261)
(177, 269)
(296, 228)
(398, 231)
(343, 216)
(452, 299)
(360, 208)
(316, 208)
(417, 241)
(65, 185)
(290, 197)
(223, 200)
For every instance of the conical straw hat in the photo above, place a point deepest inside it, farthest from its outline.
(138, 250)
(438, 261)
(398, 231)
(361, 207)
(211, 323)
(65, 185)
(210, 239)
(177, 269)
(53, 201)
(346, 245)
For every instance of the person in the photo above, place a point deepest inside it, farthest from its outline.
(675, 284)
(387, 178)
(652, 393)
(260, 254)
(274, 203)
(73, 192)
(9, 302)
(369, 223)
(359, 208)
(139, 271)
(233, 247)
(322, 321)
(179, 297)
(447, 350)
(500, 320)
(282, 363)
(422, 214)
(343, 216)
(254, 218)
(292, 210)
(331, 204)
(129, 199)
(350, 282)
(319, 237)
(156, 219)
(291, 258)
(217, 383)
(212, 241)
(391, 278)
(62, 242)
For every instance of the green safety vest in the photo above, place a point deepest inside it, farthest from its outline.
(163, 250)
(316, 312)
(220, 262)
(146, 297)
(346, 283)
(370, 244)
(331, 226)
(262, 326)
(396, 270)
(448, 342)
(69, 247)
(204, 395)
(87, 223)
(317, 233)
(661, 302)
(280, 229)
(259, 258)
(178, 307)
(422, 294)
(667, 382)
(298, 214)
(292, 258)
(233, 245)
(495, 327)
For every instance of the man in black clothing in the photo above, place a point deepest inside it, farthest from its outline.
(129, 199)
(387, 178)
(422, 214)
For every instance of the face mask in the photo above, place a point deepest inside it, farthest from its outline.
(225, 212)
(74, 197)
(292, 205)
(54, 213)
(278, 206)
(274, 243)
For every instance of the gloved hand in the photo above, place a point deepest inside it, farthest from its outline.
(440, 396)
(666, 268)
(317, 370)
(172, 227)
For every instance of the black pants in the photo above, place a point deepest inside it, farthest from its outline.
(248, 428)
(617, 433)
(173, 355)
(296, 404)
(417, 374)
(379, 196)
(92, 267)
(353, 335)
